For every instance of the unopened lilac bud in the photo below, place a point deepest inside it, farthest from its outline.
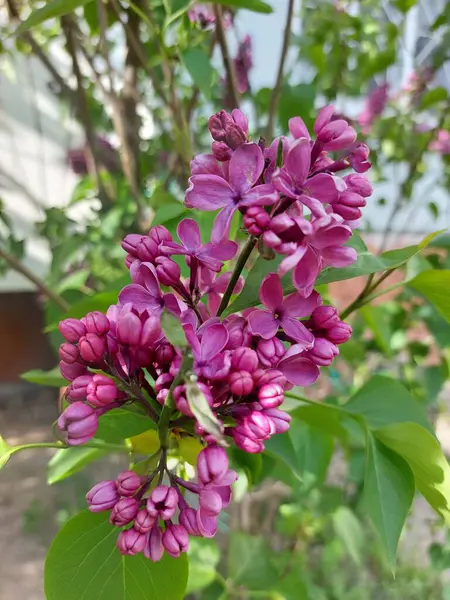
(154, 548)
(71, 371)
(323, 352)
(256, 220)
(147, 249)
(339, 333)
(103, 496)
(264, 376)
(175, 540)
(130, 542)
(164, 354)
(270, 352)
(245, 442)
(234, 136)
(258, 425)
(210, 502)
(221, 151)
(92, 347)
(128, 483)
(163, 502)
(96, 322)
(218, 124)
(175, 366)
(167, 270)
(324, 317)
(359, 184)
(72, 329)
(349, 206)
(78, 388)
(238, 334)
(69, 353)
(134, 330)
(131, 242)
(159, 234)
(241, 383)
(80, 422)
(279, 418)
(101, 391)
(212, 465)
(163, 381)
(143, 521)
(244, 359)
(271, 395)
(188, 518)
(124, 512)
(359, 158)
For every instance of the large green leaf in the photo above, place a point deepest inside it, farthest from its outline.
(99, 302)
(253, 5)
(84, 563)
(204, 556)
(249, 562)
(167, 212)
(296, 100)
(281, 447)
(314, 450)
(199, 67)
(434, 285)
(349, 531)
(422, 452)
(325, 417)
(68, 461)
(50, 10)
(119, 424)
(52, 378)
(388, 493)
(378, 321)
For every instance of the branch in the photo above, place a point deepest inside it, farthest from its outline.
(275, 97)
(243, 257)
(227, 62)
(15, 264)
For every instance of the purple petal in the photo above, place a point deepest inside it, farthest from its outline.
(207, 525)
(220, 284)
(222, 223)
(138, 297)
(189, 233)
(314, 205)
(208, 192)
(288, 263)
(205, 164)
(284, 183)
(297, 306)
(228, 479)
(323, 118)
(225, 494)
(172, 304)
(298, 128)
(339, 256)
(262, 323)
(296, 330)
(246, 166)
(298, 160)
(261, 195)
(224, 250)
(213, 341)
(323, 187)
(192, 339)
(306, 272)
(240, 119)
(299, 371)
(329, 232)
(214, 300)
(343, 141)
(147, 270)
(271, 292)
(174, 248)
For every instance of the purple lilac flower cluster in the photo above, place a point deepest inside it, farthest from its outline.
(295, 205)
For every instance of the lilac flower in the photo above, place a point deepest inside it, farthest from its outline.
(154, 548)
(210, 361)
(175, 539)
(213, 287)
(333, 134)
(210, 192)
(130, 542)
(282, 312)
(297, 368)
(203, 14)
(229, 129)
(128, 483)
(373, 106)
(243, 64)
(103, 496)
(80, 422)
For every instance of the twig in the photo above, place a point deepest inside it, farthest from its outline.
(367, 295)
(275, 97)
(15, 264)
(227, 62)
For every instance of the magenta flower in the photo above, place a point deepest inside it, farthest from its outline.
(209, 255)
(243, 63)
(148, 296)
(373, 106)
(298, 369)
(292, 179)
(333, 134)
(215, 286)
(282, 312)
(210, 361)
(211, 192)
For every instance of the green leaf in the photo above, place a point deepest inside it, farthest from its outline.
(280, 446)
(384, 401)
(67, 462)
(422, 452)
(52, 378)
(119, 424)
(202, 411)
(377, 320)
(167, 212)
(404, 5)
(253, 5)
(249, 562)
(5, 452)
(314, 450)
(433, 96)
(388, 493)
(173, 329)
(99, 302)
(84, 563)
(291, 587)
(251, 464)
(434, 285)
(199, 67)
(204, 556)
(325, 417)
(296, 100)
(350, 532)
(50, 10)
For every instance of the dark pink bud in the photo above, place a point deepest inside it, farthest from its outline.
(167, 270)
(78, 388)
(129, 329)
(221, 151)
(244, 359)
(128, 483)
(359, 158)
(124, 512)
(143, 521)
(103, 496)
(256, 220)
(71, 371)
(163, 502)
(92, 347)
(130, 542)
(271, 395)
(131, 242)
(210, 502)
(349, 206)
(80, 422)
(212, 465)
(164, 354)
(359, 184)
(241, 383)
(175, 539)
(339, 333)
(72, 329)
(258, 425)
(245, 442)
(101, 391)
(175, 366)
(218, 124)
(159, 235)
(323, 352)
(96, 322)
(234, 136)
(270, 352)
(147, 249)
(188, 518)
(69, 353)
(238, 334)
(164, 381)
(279, 418)
(154, 548)
(264, 376)
(324, 317)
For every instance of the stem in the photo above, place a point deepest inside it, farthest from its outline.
(15, 264)
(275, 97)
(227, 62)
(60, 446)
(366, 295)
(243, 257)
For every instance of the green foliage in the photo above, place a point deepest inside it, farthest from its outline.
(52, 378)
(199, 68)
(120, 423)
(67, 462)
(84, 562)
(50, 10)
(434, 285)
(249, 562)
(173, 330)
(204, 556)
(253, 5)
